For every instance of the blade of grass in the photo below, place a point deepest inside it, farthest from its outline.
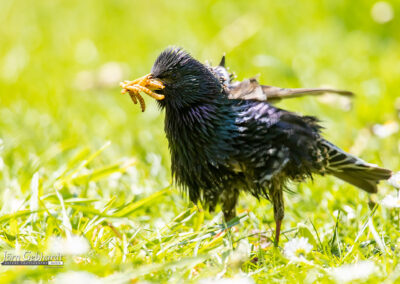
(130, 208)
(18, 214)
(364, 226)
(102, 172)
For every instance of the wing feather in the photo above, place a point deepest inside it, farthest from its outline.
(250, 89)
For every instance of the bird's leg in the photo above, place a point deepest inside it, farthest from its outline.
(279, 210)
(278, 224)
(229, 200)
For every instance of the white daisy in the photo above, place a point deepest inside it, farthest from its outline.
(2, 165)
(110, 73)
(235, 280)
(391, 202)
(351, 272)
(297, 248)
(385, 130)
(382, 12)
(395, 180)
(77, 277)
(240, 254)
(72, 245)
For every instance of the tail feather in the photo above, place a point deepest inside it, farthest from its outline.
(368, 185)
(354, 170)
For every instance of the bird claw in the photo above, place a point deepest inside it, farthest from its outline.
(144, 84)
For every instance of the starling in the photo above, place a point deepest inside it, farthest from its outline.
(226, 137)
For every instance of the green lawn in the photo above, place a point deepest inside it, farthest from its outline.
(85, 173)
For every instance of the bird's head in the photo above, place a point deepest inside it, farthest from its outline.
(179, 80)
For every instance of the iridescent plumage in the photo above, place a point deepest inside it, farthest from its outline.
(225, 137)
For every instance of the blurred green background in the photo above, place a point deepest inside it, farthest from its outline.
(60, 67)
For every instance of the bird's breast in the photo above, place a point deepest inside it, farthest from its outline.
(200, 142)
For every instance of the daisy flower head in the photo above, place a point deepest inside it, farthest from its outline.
(72, 245)
(351, 272)
(391, 201)
(395, 180)
(297, 248)
(240, 254)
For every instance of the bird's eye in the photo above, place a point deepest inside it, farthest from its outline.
(165, 79)
(164, 75)
(168, 77)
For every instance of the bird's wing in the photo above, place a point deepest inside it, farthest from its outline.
(250, 89)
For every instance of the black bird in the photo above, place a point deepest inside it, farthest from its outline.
(225, 137)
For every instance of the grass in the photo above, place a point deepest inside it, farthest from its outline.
(82, 170)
